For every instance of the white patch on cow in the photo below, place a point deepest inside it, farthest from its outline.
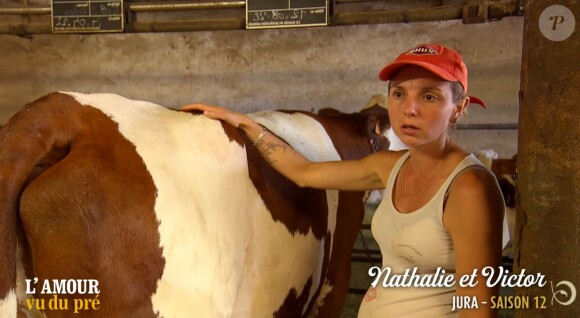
(486, 156)
(395, 143)
(225, 255)
(324, 291)
(8, 305)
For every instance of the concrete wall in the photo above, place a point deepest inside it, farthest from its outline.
(250, 70)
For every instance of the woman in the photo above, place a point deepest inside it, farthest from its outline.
(442, 208)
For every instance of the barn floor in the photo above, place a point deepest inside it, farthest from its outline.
(360, 280)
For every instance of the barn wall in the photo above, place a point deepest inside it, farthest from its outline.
(250, 70)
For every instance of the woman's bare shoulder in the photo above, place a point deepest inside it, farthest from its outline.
(474, 197)
(386, 158)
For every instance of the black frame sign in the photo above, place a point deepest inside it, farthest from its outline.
(263, 14)
(88, 16)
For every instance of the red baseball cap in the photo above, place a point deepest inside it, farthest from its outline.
(438, 59)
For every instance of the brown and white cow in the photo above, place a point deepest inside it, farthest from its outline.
(173, 214)
(505, 171)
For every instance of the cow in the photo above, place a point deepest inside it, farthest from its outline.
(111, 207)
(505, 171)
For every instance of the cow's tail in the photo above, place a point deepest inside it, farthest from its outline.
(29, 143)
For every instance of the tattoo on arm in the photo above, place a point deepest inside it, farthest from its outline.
(267, 149)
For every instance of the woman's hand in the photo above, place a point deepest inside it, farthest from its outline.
(216, 112)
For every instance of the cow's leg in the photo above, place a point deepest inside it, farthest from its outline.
(334, 292)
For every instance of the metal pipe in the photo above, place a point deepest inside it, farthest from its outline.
(25, 11)
(186, 6)
(363, 251)
(137, 7)
(455, 12)
(366, 259)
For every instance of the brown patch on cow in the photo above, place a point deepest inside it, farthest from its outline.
(294, 304)
(328, 112)
(299, 209)
(87, 211)
(505, 166)
(233, 134)
(505, 171)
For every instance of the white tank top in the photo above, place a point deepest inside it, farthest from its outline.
(413, 240)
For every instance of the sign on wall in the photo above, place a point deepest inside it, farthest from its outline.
(261, 14)
(78, 16)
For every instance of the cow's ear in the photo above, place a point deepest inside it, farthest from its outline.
(376, 123)
(377, 119)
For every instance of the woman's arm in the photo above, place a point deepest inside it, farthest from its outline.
(362, 174)
(473, 216)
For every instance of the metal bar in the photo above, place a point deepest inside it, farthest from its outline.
(366, 259)
(25, 11)
(373, 17)
(451, 12)
(363, 251)
(138, 7)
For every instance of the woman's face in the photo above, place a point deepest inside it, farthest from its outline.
(420, 106)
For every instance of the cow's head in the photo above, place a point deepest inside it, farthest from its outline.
(373, 123)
